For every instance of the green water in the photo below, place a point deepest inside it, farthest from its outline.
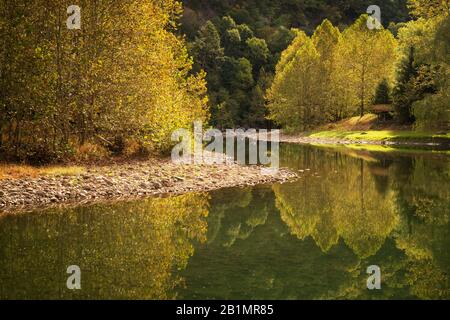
(310, 239)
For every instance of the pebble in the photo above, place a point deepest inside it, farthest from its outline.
(128, 181)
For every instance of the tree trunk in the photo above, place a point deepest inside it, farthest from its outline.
(363, 91)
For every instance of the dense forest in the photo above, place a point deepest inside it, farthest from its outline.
(239, 44)
(267, 17)
(317, 62)
(137, 70)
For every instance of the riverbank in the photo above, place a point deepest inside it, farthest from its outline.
(371, 137)
(368, 130)
(126, 181)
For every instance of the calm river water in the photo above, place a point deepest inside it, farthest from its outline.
(310, 239)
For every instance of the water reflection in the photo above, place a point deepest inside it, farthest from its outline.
(310, 239)
(339, 199)
(125, 251)
(316, 236)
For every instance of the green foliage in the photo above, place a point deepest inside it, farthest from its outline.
(383, 93)
(327, 40)
(289, 54)
(245, 32)
(261, 30)
(421, 90)
(228, 23)
(440, 42)
(292, 97)
(207, 47)
(140, 238)
(365, 57)
(236, 59)
(258, 50)
(433, 112)
(233, 37)
(237, 73)
(243, 74)
(403, 93)
(266, 16)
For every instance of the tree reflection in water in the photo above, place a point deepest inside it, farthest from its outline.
(317, 236)
(310, 239)
(125, 251)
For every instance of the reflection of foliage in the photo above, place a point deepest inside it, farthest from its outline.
(312, 239)
(341, 221)
(236, 215)
(307, 216)
(126, 250)
(268, 264)
(423, 198)
(427, 193)
(348, 202)
(343, 203)
(427, 281)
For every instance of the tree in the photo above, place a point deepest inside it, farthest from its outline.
(237, 73)
(258, 52)
(207, 49)
(288, 55)
(233, 59)
(257, 112)
(383, 93)
(326, 38)
(233, 37)
(245, 32)
(292, 97)
(428, 8)
(420, 91)
(403, 94)
(343, 73)
(433, 111)
(63, 88)
(228, 23)
(369, 56)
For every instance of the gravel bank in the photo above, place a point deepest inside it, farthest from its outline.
(128, 181)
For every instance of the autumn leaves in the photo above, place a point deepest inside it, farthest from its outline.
(123, 78)
(330, 75)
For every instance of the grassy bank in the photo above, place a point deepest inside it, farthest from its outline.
(18, 171)
(369, 133)
(369, 129)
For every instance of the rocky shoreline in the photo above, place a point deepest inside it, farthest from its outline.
(128, 181)
(335, 141)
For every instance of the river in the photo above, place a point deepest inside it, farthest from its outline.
(309, 239)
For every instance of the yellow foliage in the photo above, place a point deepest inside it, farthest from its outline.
(124, 74)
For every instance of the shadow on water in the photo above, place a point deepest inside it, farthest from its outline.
(310, 239)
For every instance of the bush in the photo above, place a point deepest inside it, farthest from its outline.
(90, 152)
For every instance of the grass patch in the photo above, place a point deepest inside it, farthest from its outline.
(62, 171)
(16, 171)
